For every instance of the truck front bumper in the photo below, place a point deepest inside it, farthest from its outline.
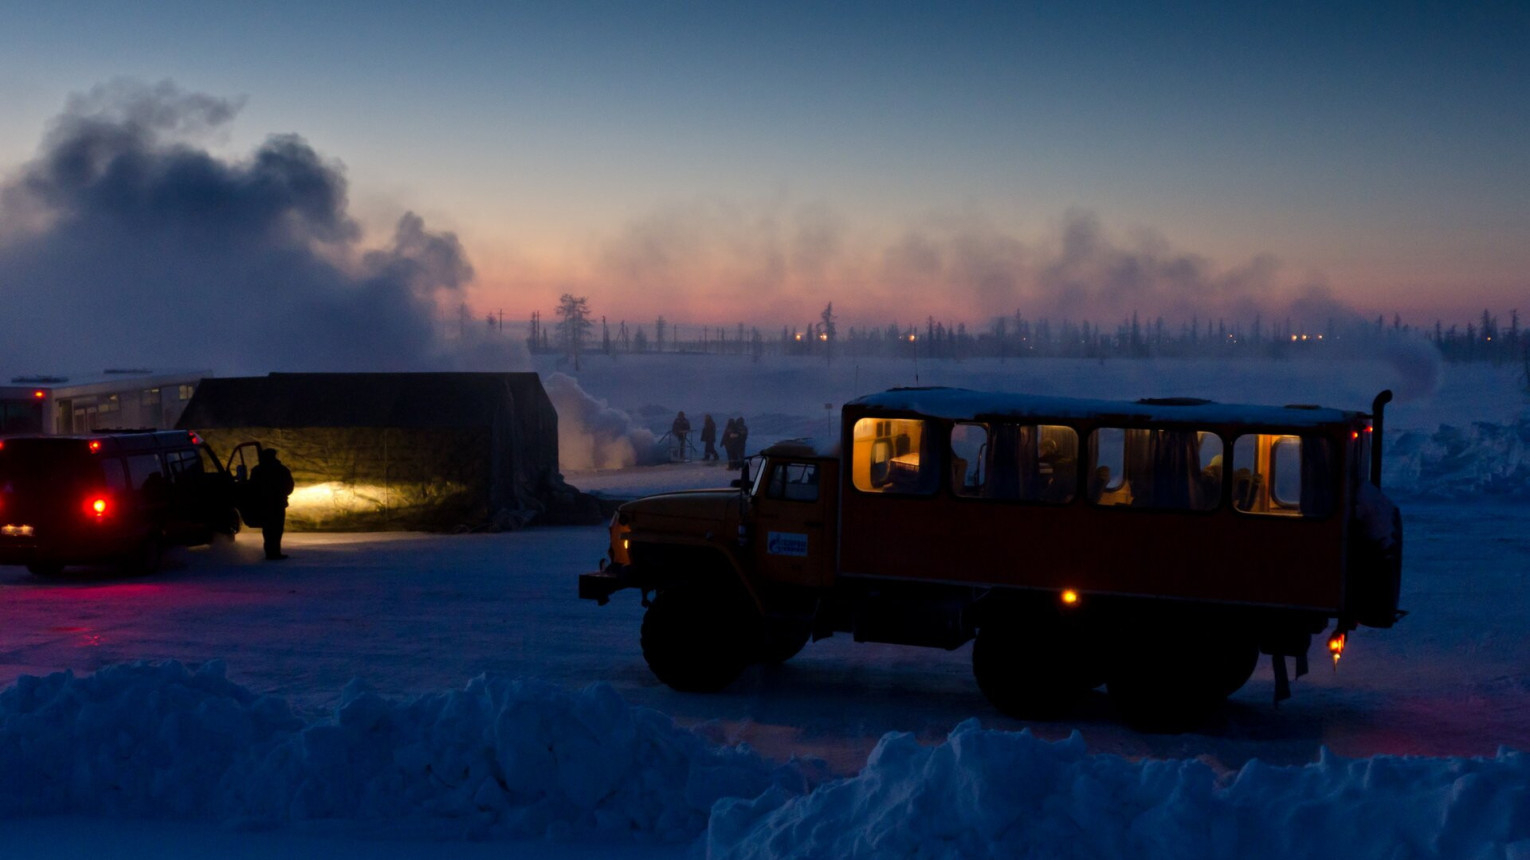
(600, 585)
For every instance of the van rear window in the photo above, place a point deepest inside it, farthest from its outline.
(35, 465)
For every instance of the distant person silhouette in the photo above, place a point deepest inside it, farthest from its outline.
(271, 484)
(709, 438)
(679, 430)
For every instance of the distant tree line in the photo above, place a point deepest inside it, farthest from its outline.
(1016, 336)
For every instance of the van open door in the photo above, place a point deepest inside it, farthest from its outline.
(241, 461)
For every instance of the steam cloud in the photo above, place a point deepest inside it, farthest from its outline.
(593, 435)
(125, 242)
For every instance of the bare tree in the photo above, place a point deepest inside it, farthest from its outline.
(827, 331)
(575, 325)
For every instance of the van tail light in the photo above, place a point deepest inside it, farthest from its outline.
(98, 506)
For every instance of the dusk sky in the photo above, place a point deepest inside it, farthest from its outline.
(728, 162)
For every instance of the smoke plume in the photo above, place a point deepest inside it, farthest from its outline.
(592, 434)
(125, 242)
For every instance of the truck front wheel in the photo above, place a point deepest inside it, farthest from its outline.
(698, 639)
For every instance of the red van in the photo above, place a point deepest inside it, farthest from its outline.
(116, 498)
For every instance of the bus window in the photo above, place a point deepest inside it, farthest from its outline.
(894, 455)
(1281, 475)
(969, 453)
(1107, 467)
(1165, 469)
(1022, 462)
(1057, 463)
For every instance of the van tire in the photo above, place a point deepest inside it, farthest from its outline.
(699, 639)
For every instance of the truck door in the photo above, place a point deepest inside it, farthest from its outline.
(793, 512)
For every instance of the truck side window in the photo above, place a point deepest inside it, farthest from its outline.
(1152, 468)
(1024, 462)
(894, 455)
(1282, 475)
(969, 453)
(794, 482)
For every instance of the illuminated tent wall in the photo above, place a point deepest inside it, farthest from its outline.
(431, 451)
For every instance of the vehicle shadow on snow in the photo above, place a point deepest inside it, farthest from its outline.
(838, 711)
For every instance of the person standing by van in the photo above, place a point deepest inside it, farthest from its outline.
(271, 484)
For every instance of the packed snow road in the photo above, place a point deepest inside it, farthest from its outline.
(409, 614)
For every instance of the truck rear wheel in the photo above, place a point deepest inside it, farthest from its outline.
(1174, 682)
(1032, 666)
(699, 639)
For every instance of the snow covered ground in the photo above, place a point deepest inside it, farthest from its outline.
(418, 695)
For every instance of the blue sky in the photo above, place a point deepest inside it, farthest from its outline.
(700, 160)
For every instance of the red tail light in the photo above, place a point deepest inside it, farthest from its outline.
(95, 445)
(97, 506)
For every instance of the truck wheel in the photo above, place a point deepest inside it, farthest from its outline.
(783, 641)
(1032, 668)
(1170, 683)
(698, 640)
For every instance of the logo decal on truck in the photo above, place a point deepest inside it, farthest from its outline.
(787, 543)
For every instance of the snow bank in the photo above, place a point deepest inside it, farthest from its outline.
(499, 757)
(1476, 460)
(1004, 794)
(524, 759)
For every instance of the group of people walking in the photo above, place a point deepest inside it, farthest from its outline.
(734, 436)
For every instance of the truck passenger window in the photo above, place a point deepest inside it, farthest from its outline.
(794, 482)
(1151, 468)
(1022, 462)
(1281, 475)
(969, 452)
(894, 455)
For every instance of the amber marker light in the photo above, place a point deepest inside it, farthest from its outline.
(1336, 646)
(1069, 597)
(39, 394)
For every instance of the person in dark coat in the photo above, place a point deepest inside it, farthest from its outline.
(271, 484)
(730, 442)
(680, 429)
(741, 435)
(708, 438)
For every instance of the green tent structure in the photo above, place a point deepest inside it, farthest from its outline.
(399, 451)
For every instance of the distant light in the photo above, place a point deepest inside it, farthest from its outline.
(39, 394)
(799, 335)
(912, 338)
(823, 336)
(1069, 597)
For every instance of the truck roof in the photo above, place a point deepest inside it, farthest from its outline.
(965, 404)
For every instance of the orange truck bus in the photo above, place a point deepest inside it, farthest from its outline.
(1156, 547)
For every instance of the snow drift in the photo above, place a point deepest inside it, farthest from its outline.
(504, 758)
(498, 758)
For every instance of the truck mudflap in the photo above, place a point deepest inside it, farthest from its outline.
(600, 585)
